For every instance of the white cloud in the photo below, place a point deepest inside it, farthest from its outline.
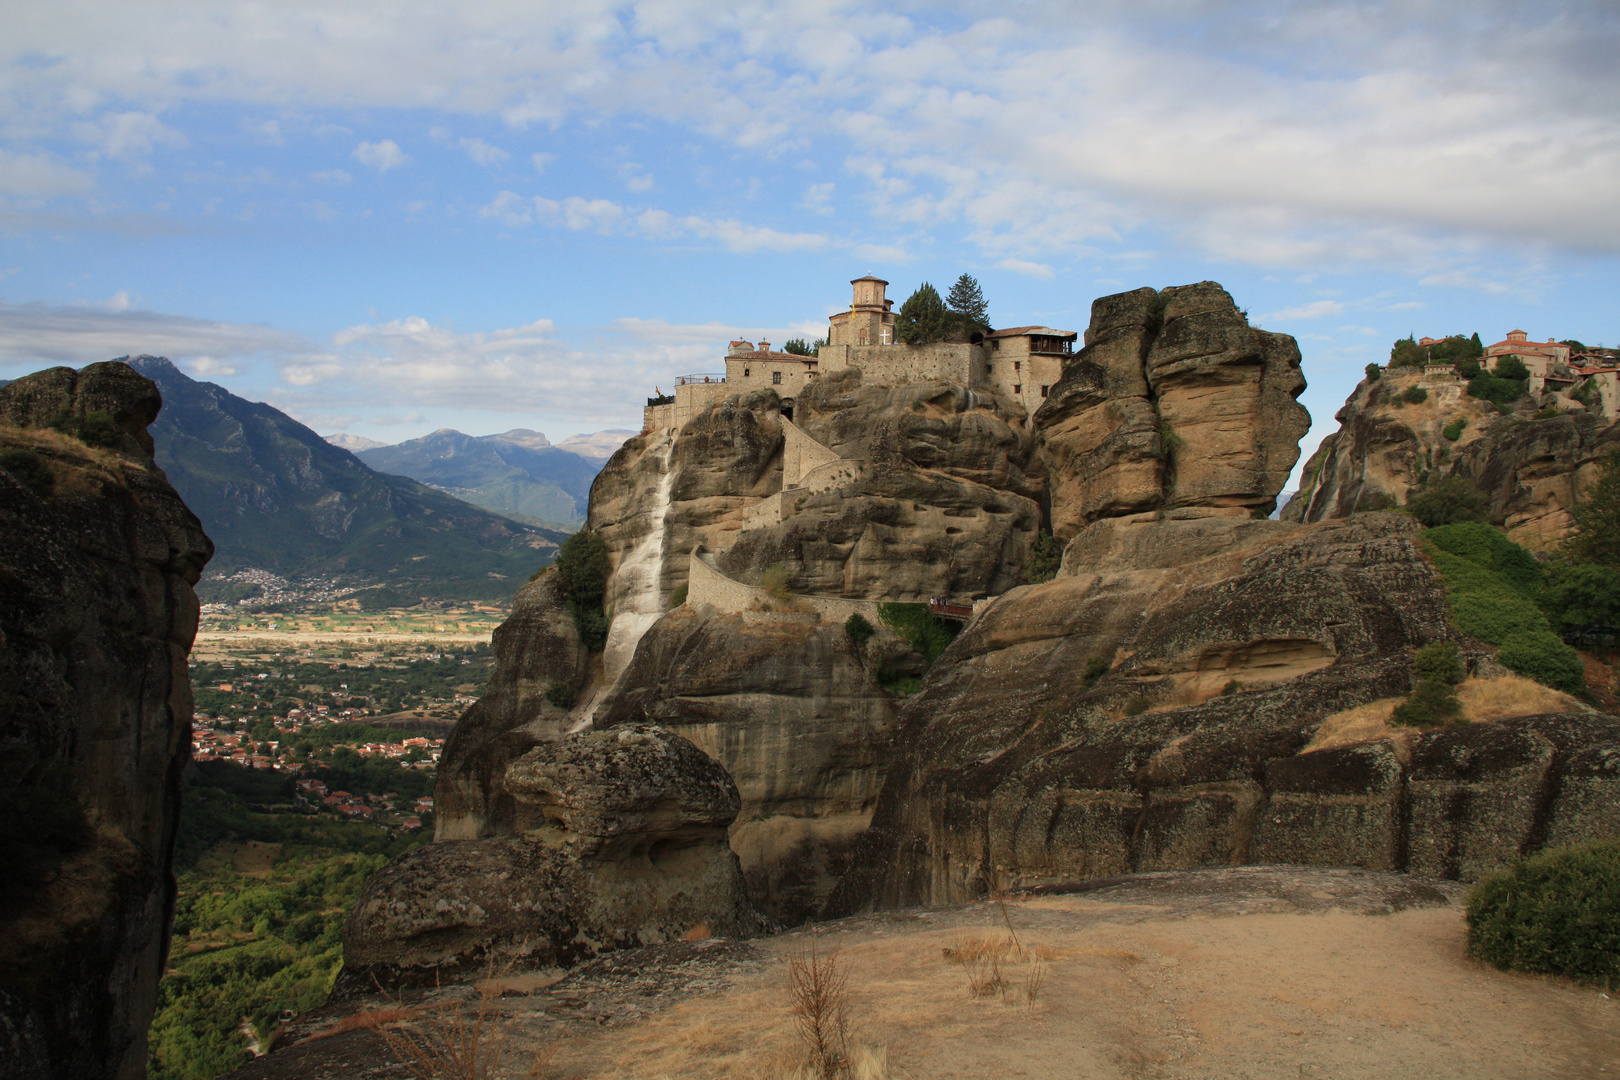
(540, 161)
(1023, 266)
(34, 175)
(206, 367)
(1316, 309)
(127, 136)
(1400, 127)
(331, 176)
(381, 156)
(483, 153)
(35, 334)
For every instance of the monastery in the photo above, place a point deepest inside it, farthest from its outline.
(1022, 363)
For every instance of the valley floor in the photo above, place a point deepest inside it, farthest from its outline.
(1241, 974)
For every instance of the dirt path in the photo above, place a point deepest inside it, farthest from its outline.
(1136, 989)
(1252, 973)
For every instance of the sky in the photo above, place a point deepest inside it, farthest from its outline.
(388, 218)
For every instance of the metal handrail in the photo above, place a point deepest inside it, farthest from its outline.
(701, 377)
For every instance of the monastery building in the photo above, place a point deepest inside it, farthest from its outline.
(1022, 363)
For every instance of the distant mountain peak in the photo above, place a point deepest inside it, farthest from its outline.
(352, 443)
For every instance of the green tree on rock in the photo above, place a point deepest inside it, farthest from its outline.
(1597, 517)
(966, 300)
(923, 318)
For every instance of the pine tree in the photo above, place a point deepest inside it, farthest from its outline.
(923, 318)
(967, 300)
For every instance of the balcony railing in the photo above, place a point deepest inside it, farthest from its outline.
(709, 377)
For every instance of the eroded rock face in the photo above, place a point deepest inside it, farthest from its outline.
(97, 615)
(1010, 769)
(628, 847)
(1530, 470)
(1174, 401)
(945, 503)
(796, 716)
(536, 648)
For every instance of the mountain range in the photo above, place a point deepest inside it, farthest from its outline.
(518, 473)
(273, 495)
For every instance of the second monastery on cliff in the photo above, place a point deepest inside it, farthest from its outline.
(1022, 363)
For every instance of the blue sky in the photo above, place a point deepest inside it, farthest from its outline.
(387, 218)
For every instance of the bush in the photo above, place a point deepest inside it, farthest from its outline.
(1374, 373)
(1432, 703)
(1497, 391)
(1137, 705)
(1438, 661)
(921, 628)
(858, 630)
(1493, 586)
(1447, 501)
(1096, 668)
(1045, 557)
(1468, 369)
(776, 582)
(1556, 913)
(30, 470)
(1415, 395)
(678, 597)
(560, 695)
(1453, 431)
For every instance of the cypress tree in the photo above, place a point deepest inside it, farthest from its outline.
(967, 300)
(923, 318)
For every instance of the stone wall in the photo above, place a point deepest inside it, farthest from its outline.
(892, 365)
(801, 454)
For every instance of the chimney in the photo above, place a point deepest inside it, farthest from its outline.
(764, 346)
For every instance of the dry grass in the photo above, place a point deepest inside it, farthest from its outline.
(1482, 700)
(987, 960)
(1510, 695)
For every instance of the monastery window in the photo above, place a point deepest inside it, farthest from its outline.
(989, 369)
(1044, 389)
(776, 378)
(1018, 365)
(995, 344)
(1017, 389)
(860, 336)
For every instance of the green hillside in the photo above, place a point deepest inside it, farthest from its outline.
(273, 495)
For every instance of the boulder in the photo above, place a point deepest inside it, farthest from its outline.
(537, 649)
(796, 715)
(97, 615)
(628, 847)
(1174, 401)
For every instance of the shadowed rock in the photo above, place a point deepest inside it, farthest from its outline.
(97, 615)
(628, 848)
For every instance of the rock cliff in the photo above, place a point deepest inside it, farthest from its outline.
(97, 615)
(1148, 708)
(626, 845)
(1174, 401)
(1530, 463)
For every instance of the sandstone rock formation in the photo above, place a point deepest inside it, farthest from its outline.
(536, 648)
(1529, 467)
(944, 504)
(626, 845)
(1225, 642)
(797, 717)
(97, 615)
(1174, 401)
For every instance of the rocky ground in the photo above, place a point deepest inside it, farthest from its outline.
(1225, 974)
